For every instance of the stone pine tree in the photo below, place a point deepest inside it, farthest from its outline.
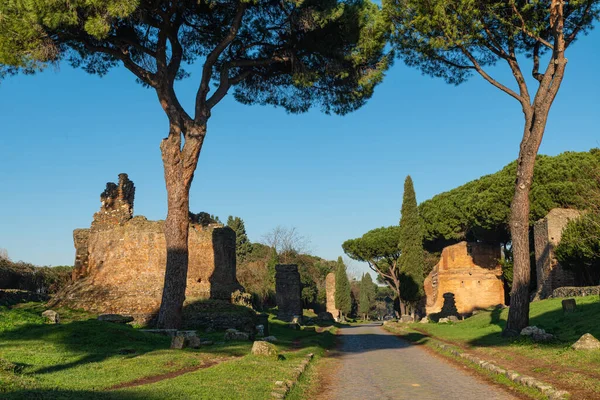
(411, 246)
(367, 295)
(454, 39)
(243, 247)
(379, 249)
(343, 300)
(298, 55)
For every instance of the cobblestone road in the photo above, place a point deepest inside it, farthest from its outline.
(376, 365)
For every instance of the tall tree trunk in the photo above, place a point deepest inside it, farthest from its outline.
(179, 166)
(402, 308)
(535, 123)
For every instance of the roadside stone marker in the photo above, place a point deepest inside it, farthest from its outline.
(569, 306)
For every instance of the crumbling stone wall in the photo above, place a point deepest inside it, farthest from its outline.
(288, 291)
(120, 261)
(469, 271)
(330, 293)
(547, 233)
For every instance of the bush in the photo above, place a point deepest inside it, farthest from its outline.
(25, 276)
(579, 248)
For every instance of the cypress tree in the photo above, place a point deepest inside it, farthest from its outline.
(367, 295)
(243, 247)
(343, 301)
(411, 246)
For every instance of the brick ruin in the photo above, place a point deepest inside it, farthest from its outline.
(120, 260)
(288, 292)
(471, 273)
(547, 233)
(330, 293)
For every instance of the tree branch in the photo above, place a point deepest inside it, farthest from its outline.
(226, 82)
(212, 58)
(488, 77)
(578, 27)
(526, 31)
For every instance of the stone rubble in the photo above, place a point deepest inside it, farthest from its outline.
(51, 317)
(586, 342)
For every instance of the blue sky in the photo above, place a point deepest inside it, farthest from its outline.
(64, 134)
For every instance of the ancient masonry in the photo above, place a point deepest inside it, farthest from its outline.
(288, 292)
(471, 273)
(330, 292)
(547, 233)
(120, 261)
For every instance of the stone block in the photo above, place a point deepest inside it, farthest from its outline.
(586, 342)
(569, 306)
(262, 348)
(178, 342)
(51, 317)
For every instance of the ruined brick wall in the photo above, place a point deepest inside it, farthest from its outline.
(80, 239)
(471, 272)
(330, 293)
(547, 233)
(288, 291)
(121, 262)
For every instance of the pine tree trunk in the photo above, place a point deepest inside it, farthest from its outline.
(518, 316)
(536, 116)
(179, 166)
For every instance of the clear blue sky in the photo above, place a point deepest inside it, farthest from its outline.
(64, 134)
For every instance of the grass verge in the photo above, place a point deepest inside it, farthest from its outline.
(555, 362)
(84, 358)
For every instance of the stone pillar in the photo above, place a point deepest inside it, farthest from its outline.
(330, 291)
(547, 233)
(288, 292)
(80, 239)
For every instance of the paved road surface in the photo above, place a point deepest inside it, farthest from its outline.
(376, 365)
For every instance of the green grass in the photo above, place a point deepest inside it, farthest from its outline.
(555, 361)
(83, 357)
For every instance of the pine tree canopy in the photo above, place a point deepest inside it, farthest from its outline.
(480, 209)
(411, 245)
(379, 249)
(294, 54)
(452, 39)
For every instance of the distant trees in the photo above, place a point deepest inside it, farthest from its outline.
(411, 246)
(367, 296)
(379, 249)
(243, 247)
(295, 55)
(455, 39)
(343, 301)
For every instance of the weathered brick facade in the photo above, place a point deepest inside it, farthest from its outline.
(120, 261)
(547, 233)
(469, 271)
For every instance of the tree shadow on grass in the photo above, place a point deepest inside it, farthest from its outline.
(567, 328)
(90, 341)
(57, 394)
